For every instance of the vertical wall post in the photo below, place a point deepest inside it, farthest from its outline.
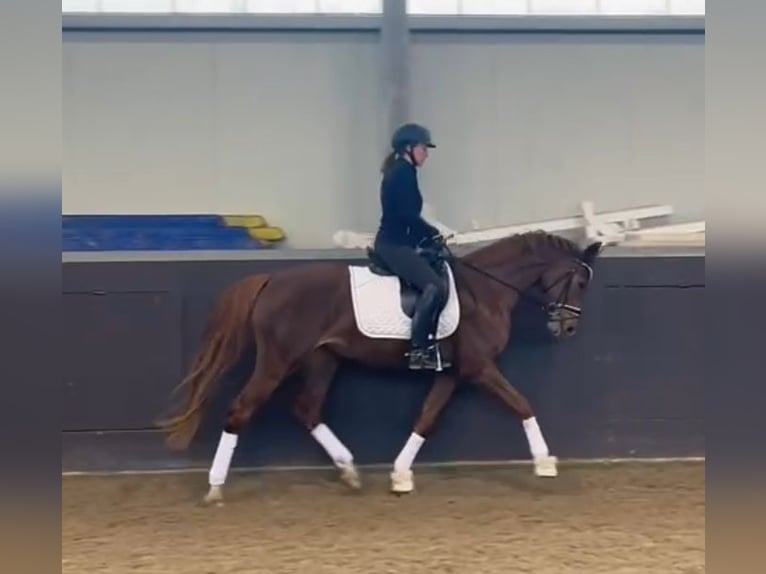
(395, 48)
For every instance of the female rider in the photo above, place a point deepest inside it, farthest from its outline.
(402, 229)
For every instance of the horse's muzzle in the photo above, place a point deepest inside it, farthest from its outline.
(563, 329)
(562, 321)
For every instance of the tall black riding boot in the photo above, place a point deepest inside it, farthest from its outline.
(425, 351)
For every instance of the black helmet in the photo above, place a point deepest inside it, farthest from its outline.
(411, 134)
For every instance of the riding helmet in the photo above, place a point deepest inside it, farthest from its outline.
(411, 134)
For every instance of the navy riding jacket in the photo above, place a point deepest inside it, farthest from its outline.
(401, 222)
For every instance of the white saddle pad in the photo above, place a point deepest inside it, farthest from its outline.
(378, 307)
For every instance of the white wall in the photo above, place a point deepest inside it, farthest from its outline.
(290, 125)
(276, 124)
(531, 125)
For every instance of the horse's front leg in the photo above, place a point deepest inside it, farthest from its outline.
(491, 379)
(440, 393)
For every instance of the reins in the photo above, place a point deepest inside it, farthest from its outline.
(549, 307)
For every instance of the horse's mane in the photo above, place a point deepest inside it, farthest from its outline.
(522, 244)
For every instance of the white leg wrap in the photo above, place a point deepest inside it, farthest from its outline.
(337, 451)
(409, 452)
(537, 444)
(222, 460)
(401, 481)
(545, 465)
(401, 478)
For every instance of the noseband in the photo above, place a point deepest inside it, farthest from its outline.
(554, 309)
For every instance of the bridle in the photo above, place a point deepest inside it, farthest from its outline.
(553, 309)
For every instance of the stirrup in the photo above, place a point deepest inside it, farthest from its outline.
(429, 358)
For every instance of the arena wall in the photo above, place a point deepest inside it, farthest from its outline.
(628, 385)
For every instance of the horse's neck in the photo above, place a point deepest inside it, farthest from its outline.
(521, 270)
(507, 277)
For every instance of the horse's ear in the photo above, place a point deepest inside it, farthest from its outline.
(591, 252)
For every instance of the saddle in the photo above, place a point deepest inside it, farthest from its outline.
(409, 293)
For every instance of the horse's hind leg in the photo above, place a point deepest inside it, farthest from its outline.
(319, 371)
(268, 374)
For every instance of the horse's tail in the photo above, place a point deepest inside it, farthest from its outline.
(228, 333)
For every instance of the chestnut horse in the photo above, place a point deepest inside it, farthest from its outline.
(306, 319)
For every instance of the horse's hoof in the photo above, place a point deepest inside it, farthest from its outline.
(401, 482)
(214, 496)
(350, 476)
(546, 466)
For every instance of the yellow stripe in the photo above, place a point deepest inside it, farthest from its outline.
(267, 233)
(249, 221)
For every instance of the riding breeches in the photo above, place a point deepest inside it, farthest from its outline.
(408, 265)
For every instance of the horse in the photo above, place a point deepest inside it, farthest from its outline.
(305, 320)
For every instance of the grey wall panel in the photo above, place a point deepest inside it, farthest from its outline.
(286, 125)
(139, 126)
(530, 125)
(292, 124)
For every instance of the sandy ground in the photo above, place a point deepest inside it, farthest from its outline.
(616, 519)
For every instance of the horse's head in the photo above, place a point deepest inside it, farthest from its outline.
(539, 261)
(563, 283)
